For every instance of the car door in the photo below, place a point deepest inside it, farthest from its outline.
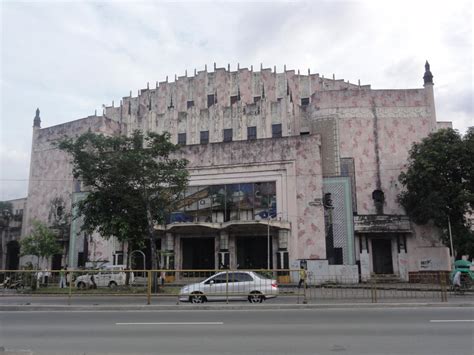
(242, 284)
(102, 278)
(215, 287)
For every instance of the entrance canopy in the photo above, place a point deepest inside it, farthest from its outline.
(206, 227)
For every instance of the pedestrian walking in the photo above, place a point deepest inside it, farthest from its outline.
(62, 278)
(303, 277)
(68, 276)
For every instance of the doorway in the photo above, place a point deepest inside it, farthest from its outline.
(382, 256)
(252, 252)
(13, 255)
(198, 253)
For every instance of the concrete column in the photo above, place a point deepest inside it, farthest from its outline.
(232, 253)
(403, 265)
(283, 239)
(3, 254)
(224, 255)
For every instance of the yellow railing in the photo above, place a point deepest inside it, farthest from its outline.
(224, 285)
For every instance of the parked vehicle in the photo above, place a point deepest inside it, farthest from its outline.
(466, 276)
(231, 285)
(15, 284)
(106, 276)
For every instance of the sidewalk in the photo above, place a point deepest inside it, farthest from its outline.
(138, 303)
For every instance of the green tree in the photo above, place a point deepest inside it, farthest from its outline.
(42, 243)
(439, 185)
(133, 181)
(6, 206)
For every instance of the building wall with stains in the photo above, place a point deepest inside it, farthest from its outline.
(374, 128)
(51, 170)
(293, 162)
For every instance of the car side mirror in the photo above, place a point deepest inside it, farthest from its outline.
(211, 282)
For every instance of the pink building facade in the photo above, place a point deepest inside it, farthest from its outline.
(308, 167)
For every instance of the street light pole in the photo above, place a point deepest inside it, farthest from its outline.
(268, 242)
(451, 240)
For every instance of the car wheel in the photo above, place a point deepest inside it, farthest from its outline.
(197, 298)
(256, 297)
(81, 285)
(112, 285)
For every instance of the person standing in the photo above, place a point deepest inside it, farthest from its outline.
(68, 275)
(303, 276)
(62, 278)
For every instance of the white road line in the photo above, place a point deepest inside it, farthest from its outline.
(450, 320)
(174, 323)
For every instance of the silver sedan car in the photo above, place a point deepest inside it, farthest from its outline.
(231, 285)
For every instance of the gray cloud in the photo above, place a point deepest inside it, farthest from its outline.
(68, 58)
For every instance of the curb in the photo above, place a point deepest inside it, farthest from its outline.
(49, 308)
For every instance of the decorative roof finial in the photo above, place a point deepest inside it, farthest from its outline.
(428, 77)
(37, 119)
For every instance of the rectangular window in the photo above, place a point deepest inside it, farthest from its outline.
(305, 101)
(228, 135)
(182, 138)
(210, 100)
(256, 99)
(304, 133)
(81, 261)
(190, 104)
(233, 100)
(118, 258)
(276, 130)
(251, 133)
(204, 137)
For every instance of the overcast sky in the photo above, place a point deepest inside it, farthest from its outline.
(69, 58)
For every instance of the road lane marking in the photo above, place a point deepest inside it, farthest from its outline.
(450, 320)
(173, 323)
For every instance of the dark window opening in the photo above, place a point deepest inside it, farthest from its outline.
(304, 133)
(256, 99)
(190, 104)
(228, 135)
(233, 99)
(210, 100)
(182, 138)
(338, 256)
(276, 130)
(118, 258)
(198, 253)
(81, 260)
(204, 137)
(251, 133)
(305, 101)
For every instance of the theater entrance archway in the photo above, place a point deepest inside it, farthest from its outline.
(252, 252)
(198, 253)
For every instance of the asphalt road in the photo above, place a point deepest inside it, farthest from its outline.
(376, 331)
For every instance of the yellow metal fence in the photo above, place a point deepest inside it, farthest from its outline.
(198, 286)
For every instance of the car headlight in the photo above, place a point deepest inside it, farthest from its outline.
(185, 289)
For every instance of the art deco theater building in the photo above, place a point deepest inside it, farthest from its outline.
(284, 167)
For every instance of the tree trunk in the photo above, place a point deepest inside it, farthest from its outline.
(152, 238)
(128, 264)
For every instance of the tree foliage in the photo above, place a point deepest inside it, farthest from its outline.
(439, 185)
(42, 242)
(6, 207)
(133, 183)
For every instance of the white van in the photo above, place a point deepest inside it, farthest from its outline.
(106, 276)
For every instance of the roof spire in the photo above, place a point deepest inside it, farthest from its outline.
(37, 119)
(428, 77)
